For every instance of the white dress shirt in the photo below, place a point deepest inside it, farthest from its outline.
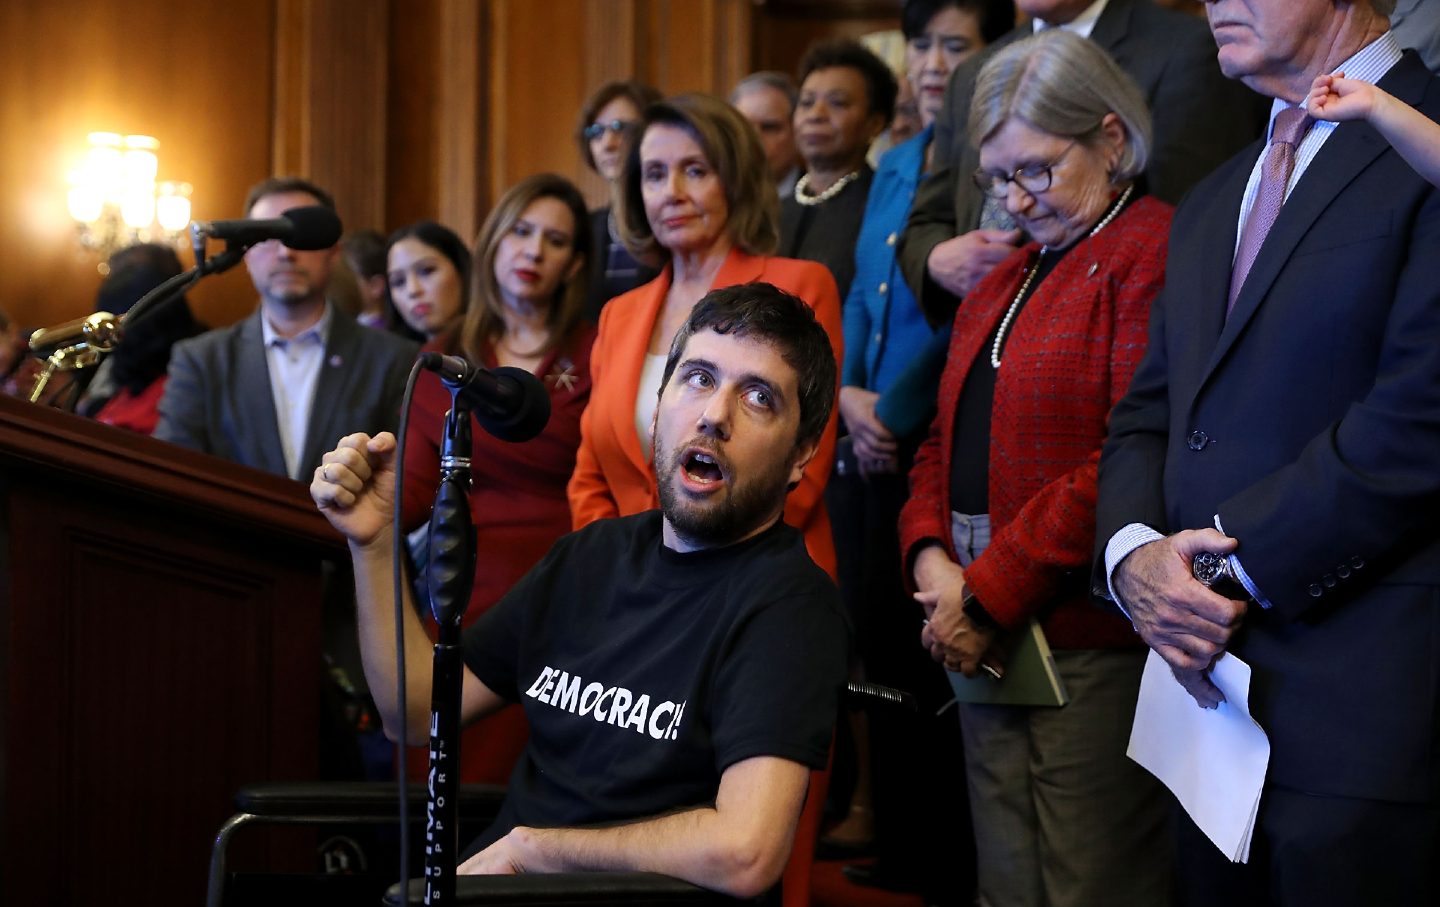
(295, 364)
(1081, 25)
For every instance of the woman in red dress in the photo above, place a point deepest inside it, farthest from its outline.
(525, 311)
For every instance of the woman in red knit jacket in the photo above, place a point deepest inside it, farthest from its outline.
(1000, 525)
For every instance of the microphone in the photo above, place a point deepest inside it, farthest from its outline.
(509, 403)
(309, 228)
(100, 331)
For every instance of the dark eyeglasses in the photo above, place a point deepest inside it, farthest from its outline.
(1033, 178)
(618, 127)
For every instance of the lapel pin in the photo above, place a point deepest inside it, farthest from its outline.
(336, 361)
(1094, 266)
(563, 376)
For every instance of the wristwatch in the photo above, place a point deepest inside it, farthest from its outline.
(972, 609)
(1211, 569)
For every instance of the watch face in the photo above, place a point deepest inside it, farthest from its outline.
(1208, 567)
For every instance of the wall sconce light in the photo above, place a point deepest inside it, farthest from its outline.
(115, 200)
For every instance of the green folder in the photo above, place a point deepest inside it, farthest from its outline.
(1030, 676)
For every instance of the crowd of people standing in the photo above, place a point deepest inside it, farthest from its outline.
(1139, 292)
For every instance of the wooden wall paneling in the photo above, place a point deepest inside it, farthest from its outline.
(537, 79)
(462, 146)
(330, 111)
(695, 45)
(290, 134)
(734, 31)
(412, 179)
(200, 83)
(612, 52)
(785, 29)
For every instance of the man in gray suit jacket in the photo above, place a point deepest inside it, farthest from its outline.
(281, 387)
(1200, 119)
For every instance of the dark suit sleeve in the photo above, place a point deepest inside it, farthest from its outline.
(932, 221)
(1365, 490)
(182, 407)
(393, 393)
(1200, 118)
(933, 217)
(1132, 464)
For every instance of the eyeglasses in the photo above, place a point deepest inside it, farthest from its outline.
(1033, 178)
(618, 127)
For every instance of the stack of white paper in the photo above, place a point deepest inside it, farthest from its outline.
(1214, 761)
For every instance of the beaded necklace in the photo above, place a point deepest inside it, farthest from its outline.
(803, 183)
(1030, 277)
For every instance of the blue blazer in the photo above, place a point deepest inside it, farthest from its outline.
(1310, 422)
(218, 398)
(883, 322)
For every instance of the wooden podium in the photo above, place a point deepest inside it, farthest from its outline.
(160, 646)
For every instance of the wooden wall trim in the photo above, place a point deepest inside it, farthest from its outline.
(330, 114)
(497, 114)
(462, 146)
(291, 142)
(734, 54)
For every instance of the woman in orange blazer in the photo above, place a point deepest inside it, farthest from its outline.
(695, 197)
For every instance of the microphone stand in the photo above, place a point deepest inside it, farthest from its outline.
(104, 331)
(450, 574)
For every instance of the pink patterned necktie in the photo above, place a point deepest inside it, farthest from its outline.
(1290, 125)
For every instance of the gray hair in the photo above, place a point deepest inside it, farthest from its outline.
(766, 79)
(1063, 84)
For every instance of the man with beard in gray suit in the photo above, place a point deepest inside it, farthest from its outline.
(278, 389)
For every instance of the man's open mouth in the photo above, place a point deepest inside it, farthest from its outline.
(702, 468)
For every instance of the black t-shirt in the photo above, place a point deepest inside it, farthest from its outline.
(644, 673)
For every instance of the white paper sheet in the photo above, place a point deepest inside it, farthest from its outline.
(1213, 760)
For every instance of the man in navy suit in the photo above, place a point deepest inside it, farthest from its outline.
(281, 387)
(1286, 417)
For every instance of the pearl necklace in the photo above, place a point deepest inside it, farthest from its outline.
(803, 183)
(1030, 277)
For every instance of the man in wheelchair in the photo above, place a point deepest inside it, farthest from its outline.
(679, 668)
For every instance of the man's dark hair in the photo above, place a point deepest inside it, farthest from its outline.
(761, 311)
(278, 184)
(364, 252)
(996, 16)
(880, 83)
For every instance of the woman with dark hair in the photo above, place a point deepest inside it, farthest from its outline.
(364, 252)
(847, 98)
(429, 275)
(526, 297)
(605, 131)
(127, 388)
(696, 198)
